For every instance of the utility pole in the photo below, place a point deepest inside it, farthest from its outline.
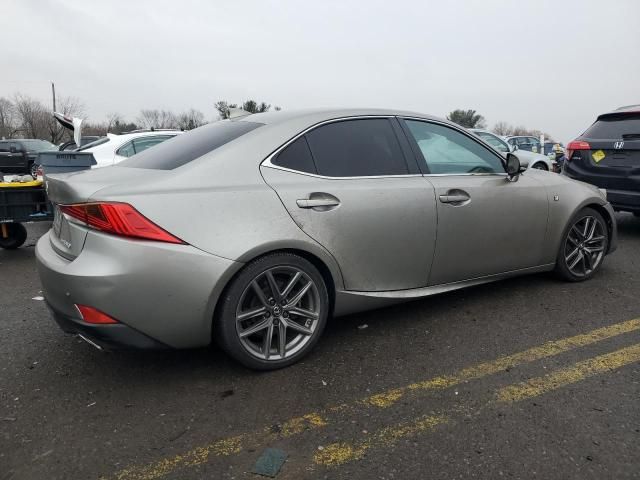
(53, 93)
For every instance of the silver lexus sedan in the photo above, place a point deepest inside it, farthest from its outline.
(253, 231)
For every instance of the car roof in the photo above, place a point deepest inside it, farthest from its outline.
(620, 111)
(323, 114)
(148, 133)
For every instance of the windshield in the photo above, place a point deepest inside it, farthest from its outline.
(494, 141)
(38, 145)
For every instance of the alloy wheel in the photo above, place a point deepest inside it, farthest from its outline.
(278, 312)
(585, 245)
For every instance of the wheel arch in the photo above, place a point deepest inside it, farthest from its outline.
(328, 270)
(540, 162)
(608, 218)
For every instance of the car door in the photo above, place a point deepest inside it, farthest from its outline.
(486, 224)
(354, 187)
(4, 157)
(17, 158)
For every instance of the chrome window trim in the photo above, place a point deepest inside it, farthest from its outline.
(314, 175)
(268, 163)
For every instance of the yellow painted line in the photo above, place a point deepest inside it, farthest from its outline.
(549, 349)
(221, 448)
(343, 452)
(567, 376)
(340, 453)
(315, 420)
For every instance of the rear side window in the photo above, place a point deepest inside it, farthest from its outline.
(357, 148)
(141, 144)
(185, 148)
(126, 150)
(296, 156)
(615, 127)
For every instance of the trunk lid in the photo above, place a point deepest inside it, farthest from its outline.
(68, 237)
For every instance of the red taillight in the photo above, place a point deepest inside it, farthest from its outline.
(576, 145)
(93, 315)
(118, 219)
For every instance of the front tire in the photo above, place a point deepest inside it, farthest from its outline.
(583, 246)
(273, 312)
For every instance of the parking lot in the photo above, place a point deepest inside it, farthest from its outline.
(524, 378)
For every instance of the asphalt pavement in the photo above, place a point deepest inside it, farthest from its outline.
(525, 378)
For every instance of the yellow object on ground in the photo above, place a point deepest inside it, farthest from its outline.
(35, 183)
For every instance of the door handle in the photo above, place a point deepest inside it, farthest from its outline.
(322, 201)
(317, 202)
(455, 197)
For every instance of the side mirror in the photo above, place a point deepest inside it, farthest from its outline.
(12, 149)
(513, 166)
(514, 147)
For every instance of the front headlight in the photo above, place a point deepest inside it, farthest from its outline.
(603, 193)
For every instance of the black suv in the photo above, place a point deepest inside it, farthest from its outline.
(607, 155)
(17, 156)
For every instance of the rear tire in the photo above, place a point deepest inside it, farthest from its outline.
(583, 247)
(16, 236)
(273, 312)
(541, 166)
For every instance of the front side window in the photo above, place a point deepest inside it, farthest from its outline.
(447, 151)
(494, 141)
(4, 146)
(357, 148)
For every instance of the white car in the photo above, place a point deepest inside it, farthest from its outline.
(114, 148)
(535, 160)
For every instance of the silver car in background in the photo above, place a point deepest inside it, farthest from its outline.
(534, 160)
(253, 231)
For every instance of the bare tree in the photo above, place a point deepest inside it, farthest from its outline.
(114, 119)
(32, 116)
(502, 128)
(157, 119)
(190, 119)
(7, 118)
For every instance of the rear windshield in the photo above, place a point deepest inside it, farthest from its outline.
(614, 127)
(95, 143)
(38, 145)
(185, 148)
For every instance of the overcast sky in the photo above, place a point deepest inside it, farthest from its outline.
(551, 65)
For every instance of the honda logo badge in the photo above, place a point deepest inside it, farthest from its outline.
(618, 145)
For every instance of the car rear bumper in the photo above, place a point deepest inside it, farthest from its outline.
(108, 337)
(160, 293)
